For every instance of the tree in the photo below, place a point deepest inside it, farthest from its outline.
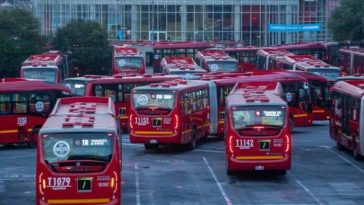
(87, 44)
(19, 38)
(347, 21)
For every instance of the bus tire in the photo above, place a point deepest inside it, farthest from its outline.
(33, 138)
(291, 123)
(356, 154)
(192, 144)
(148, 146)
(339, 146)
(282, 172)
(230, 172)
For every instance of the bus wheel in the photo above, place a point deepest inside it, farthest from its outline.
(282, 172)
(193, 142)
(151, 146)
(339, 146)
(291, 123)
(356, 154)
(230, 172)
(33, 138)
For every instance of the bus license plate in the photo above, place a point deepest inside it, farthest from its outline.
(264, 145)
(84, 184)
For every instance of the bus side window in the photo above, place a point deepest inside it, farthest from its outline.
(20, 103)
(111, 94)
(5, 105)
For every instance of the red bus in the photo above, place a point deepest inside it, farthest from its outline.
(118, 88)
(173, 112)
(50, 66)
(346, 116)
(216, 60)
(246, 56)
(320, 95)
(352, 60)
(155, 51)
(78, 85)
(267, 58)
(258, 135)
(78, 155)
(296, 90)
(24, 107)
(310, 64)
(185, 67)
(326, 51)
(126, 61)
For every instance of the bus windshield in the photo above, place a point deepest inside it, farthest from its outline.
(163, 100)
(329, 73)
(77, 88)
(222, 66)
(246, 116)
(129, 62)
(47, 74)
(77, 146)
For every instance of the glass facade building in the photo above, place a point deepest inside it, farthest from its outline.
(192, 20)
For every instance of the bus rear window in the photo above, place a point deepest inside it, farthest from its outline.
(154, 100)
(47, 74)
(256, 116)
(77, 147)
(222, 66)
(129, 62)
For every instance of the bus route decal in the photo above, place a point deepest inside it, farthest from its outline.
(61, 149)
(121, 62)
(143, 100)
(214, 67)
(39, 106)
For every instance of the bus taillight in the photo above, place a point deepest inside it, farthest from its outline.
(130, 122)
(42, 184)
(287, 144)
(114, 182)
(176, 123)
(231, 144)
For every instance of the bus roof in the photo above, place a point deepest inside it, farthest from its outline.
(178, 60)
(86, 78)
(84, 105)
(273, 52)
(32, 85)
(352, 87)
(172, 85)
(256, 94)
(81, 123)
(309, 76)
(130, 79)
(355, 50)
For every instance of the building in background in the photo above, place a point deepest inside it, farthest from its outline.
(259, 22)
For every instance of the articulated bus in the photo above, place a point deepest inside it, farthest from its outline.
(173, 112)
(78, 155)
(347, 116)
(352, 60)
(257, 135)
(326, 51)
(246, 56)
(155, 51)
(24, 107)
(78, 85)
(126, 61)
(185, 67)
(118, 88)
(310, 64)
(267, 58)
(50, 66)
(215, 60)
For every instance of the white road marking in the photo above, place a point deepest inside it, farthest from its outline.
(222, 191)
(206, 150)
(346, 160)
(306, 189)
(131, 144)
(137, 185)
